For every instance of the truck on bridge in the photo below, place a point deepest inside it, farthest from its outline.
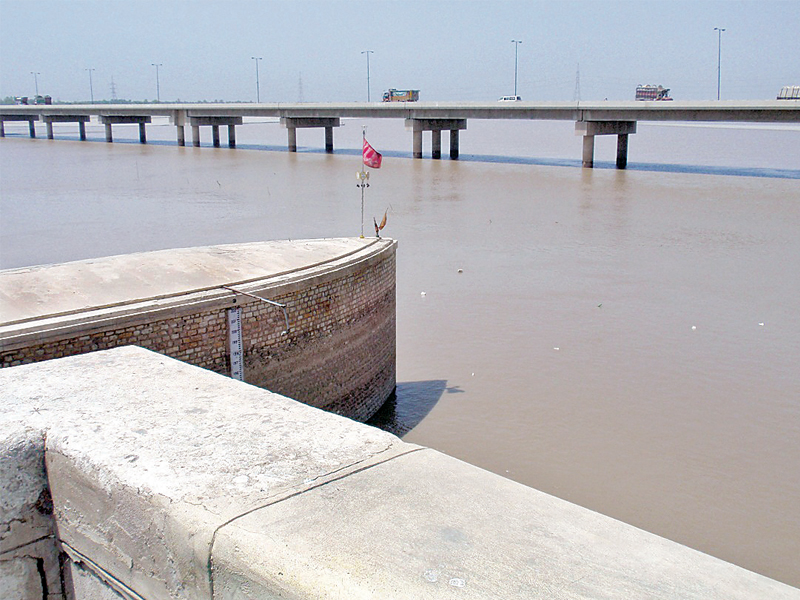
(652, 92)
(393, 95)
(789, 92)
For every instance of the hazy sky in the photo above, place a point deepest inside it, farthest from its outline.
(449, 50)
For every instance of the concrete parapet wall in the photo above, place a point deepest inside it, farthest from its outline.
(169, 481)
(338, 353)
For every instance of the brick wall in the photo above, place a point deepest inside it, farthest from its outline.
(338, 354)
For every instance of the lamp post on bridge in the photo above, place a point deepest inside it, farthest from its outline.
(91, 88)
(36, 81)
(368, 52)
(516, 57)
(258, 85)
(158, 85)
(719, 31)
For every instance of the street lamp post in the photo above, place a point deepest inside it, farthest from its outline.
(719, 31)
(36, 81)
(258, 85)
(158, 85)
(368, 52)
(91, 88)
(516, 57)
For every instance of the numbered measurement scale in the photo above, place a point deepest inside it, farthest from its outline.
(235, 335)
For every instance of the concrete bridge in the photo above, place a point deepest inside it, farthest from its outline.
(591, 118)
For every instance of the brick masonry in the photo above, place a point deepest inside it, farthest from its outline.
(338, 354)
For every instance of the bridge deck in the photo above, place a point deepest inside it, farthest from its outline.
(779, 111)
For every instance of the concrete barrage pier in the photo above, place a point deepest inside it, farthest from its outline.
(125, 474)
(313, 319)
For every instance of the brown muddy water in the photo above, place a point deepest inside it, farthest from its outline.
(626, 340)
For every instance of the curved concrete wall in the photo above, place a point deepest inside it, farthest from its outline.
(338, 353)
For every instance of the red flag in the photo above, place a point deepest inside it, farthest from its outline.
(371, 158)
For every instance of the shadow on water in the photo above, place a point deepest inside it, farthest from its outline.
(488, 158)
(408, 405)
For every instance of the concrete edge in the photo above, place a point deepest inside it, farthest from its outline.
(51, 328)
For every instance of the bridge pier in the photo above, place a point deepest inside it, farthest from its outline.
(292, 124)
(109, 120)
(80, 119)
(589, 129)
(435, 126)
(29, 118)
(215, 122)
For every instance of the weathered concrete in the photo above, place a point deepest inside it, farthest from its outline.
(169, 481)
(28, 555)
(147, 457)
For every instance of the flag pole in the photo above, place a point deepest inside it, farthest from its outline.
(362, 176)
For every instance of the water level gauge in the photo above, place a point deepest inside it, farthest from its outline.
(235, 334)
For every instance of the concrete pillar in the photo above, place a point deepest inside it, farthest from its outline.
(215, 135)
(589, 129)
(292, 138)
(142, 135)
(32, 129)
(181, 135)
(622, 150)
(454, 143)
(436, 143)
(108, 133)
(588, 151)
(196, 136)
(231, 136)
(2, 128)
(417, 143)
(329, 139)
(49, 130)
(82, 129)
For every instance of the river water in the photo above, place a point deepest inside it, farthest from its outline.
(626, 340)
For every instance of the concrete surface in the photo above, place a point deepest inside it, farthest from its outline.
(786, 111)
(34, 292)
(169, 481)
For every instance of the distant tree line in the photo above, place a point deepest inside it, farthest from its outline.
(12, 100)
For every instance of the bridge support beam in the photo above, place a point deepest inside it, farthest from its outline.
(589, 129)
(215, 122)
(141, 120)
(435, 126)
(292, 124)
